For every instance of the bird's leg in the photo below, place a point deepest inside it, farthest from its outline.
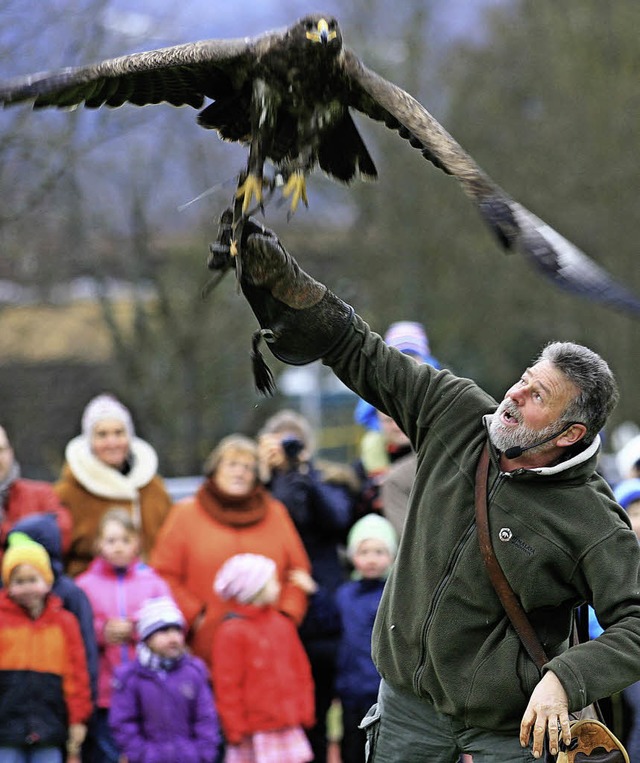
(248, 189)
(296, 187)
(239, 217)
(251, 182)
(237, 224)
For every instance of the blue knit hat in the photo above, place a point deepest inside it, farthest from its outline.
(627, 492)
(628, 457)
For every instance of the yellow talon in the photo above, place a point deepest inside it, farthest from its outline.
(233, 248)
(296, 187)
(251, 188)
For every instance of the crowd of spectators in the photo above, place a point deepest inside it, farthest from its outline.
(258, 592)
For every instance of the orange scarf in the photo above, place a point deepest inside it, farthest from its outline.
(233, 510)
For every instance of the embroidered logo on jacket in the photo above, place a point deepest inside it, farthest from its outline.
(506, 536)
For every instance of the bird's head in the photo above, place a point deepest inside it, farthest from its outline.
(319, 30)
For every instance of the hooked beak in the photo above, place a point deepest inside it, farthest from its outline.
(321, 33)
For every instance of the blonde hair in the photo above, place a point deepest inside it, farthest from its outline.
(120, 515)
(233, 443)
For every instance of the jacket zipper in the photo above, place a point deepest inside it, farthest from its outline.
(122, 609)
(444, 580)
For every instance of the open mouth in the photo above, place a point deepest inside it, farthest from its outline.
(509, 417)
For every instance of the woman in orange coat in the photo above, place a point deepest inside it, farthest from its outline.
(231, 513)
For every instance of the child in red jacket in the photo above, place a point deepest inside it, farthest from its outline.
(44, 681)
(261, 675)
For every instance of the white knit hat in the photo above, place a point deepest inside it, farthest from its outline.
(156, 614)
(628, 457)
(105, 407)
(242, 576)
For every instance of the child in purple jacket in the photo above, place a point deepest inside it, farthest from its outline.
(162, 708)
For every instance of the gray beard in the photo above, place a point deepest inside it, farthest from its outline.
(509, 437)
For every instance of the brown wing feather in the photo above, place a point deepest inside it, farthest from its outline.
(180, 75)
(514, 225)
(383, 101)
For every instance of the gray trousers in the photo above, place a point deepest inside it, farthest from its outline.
(402, 728)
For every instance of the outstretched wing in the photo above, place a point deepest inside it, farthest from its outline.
(569, 267)
(179, 75)
(514, 225)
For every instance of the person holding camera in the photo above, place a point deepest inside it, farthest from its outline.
(320, 498)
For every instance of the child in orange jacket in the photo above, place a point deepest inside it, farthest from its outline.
(44, 681)
(261, 674)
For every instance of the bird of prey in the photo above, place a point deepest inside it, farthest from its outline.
(288, 95)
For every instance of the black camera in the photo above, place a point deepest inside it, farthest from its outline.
(292, 447)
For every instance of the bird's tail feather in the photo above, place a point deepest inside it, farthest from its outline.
(344, 155)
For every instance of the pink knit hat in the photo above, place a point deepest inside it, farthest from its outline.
(242, 576)
(105, 407)
(409, 337)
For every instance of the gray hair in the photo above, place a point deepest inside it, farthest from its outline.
(288, 420)
(598, 391)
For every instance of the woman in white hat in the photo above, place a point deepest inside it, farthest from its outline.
(108, 465)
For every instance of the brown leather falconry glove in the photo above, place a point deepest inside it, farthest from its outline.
(300, 319)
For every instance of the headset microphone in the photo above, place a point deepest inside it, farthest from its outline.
(517, 450)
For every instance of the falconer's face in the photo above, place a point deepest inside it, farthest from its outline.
(533, 407)
(539, 398)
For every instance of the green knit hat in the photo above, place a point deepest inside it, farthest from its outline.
(372, 526)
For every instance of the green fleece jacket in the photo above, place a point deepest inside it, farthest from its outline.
(559, 536)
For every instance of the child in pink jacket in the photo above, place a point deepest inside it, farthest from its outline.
(117, 583)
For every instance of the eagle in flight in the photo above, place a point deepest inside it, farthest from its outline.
(288, 96)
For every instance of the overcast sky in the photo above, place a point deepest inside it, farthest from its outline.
(50, 35)
(197, 19)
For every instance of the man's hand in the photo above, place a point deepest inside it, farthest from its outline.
(299, 317)
(547, 711)
(271, 456)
